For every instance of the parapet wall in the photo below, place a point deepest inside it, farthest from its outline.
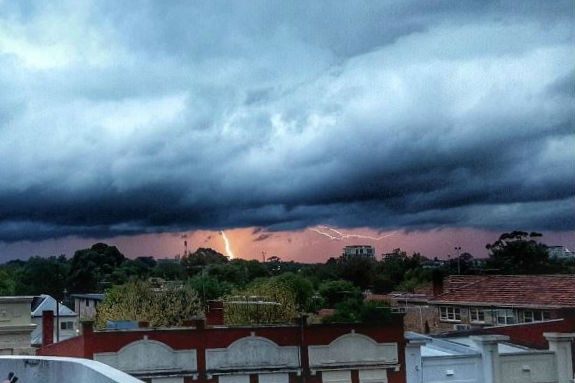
(61, 370)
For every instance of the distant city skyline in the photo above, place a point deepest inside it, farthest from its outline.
(136, 122)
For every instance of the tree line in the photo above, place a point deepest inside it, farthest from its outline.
(274, 290)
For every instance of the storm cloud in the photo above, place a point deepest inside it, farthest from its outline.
(120, 118)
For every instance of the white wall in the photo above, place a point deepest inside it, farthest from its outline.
(147, 356)
(352, 348)
(528, 368)
(252, 352)
(15, 326)
(62, 370)
(64, 334)
(455, 368)
(483, 363)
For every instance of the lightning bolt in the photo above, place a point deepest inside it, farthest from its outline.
(337, 235)
(326, 234)
(229, 252)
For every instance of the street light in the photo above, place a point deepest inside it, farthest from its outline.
(458, 249)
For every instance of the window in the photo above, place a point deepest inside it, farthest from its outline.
(535, 316)
(273, 378)
(448, 313)
(373, 376)
(234, 379)
(66, 325)
(476, 315)
(505, 316)
(87, 303)
(340, 376)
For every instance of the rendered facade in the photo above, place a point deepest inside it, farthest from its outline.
(85, 305)
(15, 325)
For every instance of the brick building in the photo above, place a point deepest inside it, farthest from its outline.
(472, 302)
(476, 301)
(298, 353)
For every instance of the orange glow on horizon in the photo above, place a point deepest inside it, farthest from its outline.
(306, 245)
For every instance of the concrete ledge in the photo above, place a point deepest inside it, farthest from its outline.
(62, 370)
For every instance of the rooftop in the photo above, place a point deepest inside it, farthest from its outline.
(544, 291)
(458, 346)
(47, 303)
(93, 296)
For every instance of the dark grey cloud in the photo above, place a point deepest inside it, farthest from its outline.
(148, 117)
(262, 237)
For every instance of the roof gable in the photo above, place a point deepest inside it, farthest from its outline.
(48, 303)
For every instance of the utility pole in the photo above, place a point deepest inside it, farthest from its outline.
(458, 249)
(57, 320)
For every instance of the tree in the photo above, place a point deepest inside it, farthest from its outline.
(202, 257)
(254, 269)
(139, 268)
(138, 301)
(398, 271)
(7, 283)
(238, 272)
(231, 272)
(465, 265)
(209, 287)
(273, 264)
(518, 252)
(301, 288)
(266, 300)
(91, 269)
(356, 310)
(169, 270)
(334, 292)
(41, 275)
(358, 270)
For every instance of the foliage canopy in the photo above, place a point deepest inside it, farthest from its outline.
(139, 301)
(518, 252)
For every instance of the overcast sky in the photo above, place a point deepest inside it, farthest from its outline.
(139, 117)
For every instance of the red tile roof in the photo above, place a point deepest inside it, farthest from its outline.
(322, 313)
(378, 298)
(546, 291)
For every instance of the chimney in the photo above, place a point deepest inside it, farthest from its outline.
(437, 281)
(87, 327)
(437, 286)
(215, 313)
(47, 327)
